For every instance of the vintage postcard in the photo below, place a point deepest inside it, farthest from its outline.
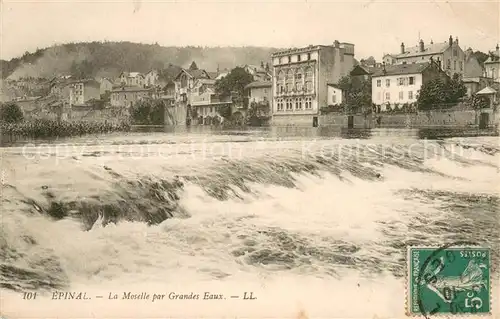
(249, 159)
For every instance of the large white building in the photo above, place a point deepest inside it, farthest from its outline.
(396, 85)
(300, 78)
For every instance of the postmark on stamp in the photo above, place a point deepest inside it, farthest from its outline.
(448, 280)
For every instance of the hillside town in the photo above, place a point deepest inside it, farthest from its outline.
(297, 86)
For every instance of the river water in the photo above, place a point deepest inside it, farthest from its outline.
(314, 223)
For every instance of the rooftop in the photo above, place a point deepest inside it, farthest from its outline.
(430, 48)
(398, 69)
(258, 84)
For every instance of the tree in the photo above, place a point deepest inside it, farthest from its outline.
(356, 94)
(235, 82)
(439, 91)
(11, 113)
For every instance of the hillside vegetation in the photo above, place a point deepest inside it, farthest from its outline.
(108, 59)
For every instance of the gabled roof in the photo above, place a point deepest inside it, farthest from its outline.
(434, 48)
(134, 74)
(493, 58)
(195, 74)
(487, 90)
(397, 69)
(364, 70)
(258, 84)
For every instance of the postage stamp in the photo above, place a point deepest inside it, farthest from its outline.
(448, 281)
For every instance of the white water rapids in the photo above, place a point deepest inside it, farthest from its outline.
(313, 227)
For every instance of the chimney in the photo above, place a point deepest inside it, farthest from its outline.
(422, 48)
(450, 40)
(432, 42)
(456, 40)
(498, 50)
(402, 48)
(336, 43)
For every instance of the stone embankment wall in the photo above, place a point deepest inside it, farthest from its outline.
(423, 119)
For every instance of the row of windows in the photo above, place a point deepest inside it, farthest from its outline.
(299, 58)
(411, 96)
(461, 65)
(402, 81)
(294, 104)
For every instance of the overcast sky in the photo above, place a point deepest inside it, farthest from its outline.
(375, 27)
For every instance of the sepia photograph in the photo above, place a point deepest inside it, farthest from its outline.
(249, 159)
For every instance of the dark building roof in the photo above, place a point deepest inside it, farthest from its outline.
(334, 85)
(434, 48)
(397, 69)
(258, 84)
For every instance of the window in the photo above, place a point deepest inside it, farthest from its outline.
(379, 83)
(298, 80)
(410, 95)
(388, 82)
(387, 96)
(298, 57)
(401, 95)
(298, 104)
(279, 60)
(308, 103)
(454, 65)
(309, 86)
(289, 104)
(448, 64)
(461, 66)
(455, 52)
(412, 80)
(401, 81)
(289, 59)
(309, 56)
(334, 98)
(280, 105)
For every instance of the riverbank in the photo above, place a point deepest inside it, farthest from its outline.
(47, 128)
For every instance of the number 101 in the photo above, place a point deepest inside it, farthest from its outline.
(29, 295)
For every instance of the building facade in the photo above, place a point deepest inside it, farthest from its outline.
(395, 85)
(492, 65)
(259, 92)
(84, 90)
(127, 96)
(300, 78)
(450, 54)
(185, 82)
(131, 79)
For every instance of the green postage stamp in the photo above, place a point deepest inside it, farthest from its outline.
(448, 281)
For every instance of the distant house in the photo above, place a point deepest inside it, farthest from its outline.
(151, 78)
(127, 96)
(132, 79)
(259, 91)
(81, 91)
(185, 80)
(206, 105)
(106, 86)
(334, 94)
(401, 83)
(492, 65)
(449, 53)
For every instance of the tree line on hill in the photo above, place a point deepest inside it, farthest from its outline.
(91, 59)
